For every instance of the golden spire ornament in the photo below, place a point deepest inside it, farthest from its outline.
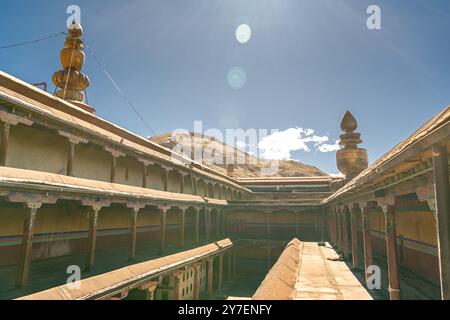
(351, 160)
(70, 81)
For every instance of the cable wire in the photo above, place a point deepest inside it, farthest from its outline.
(119, 90)
(31, 41)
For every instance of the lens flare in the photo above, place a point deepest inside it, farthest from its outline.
(243, 33)
(236, 78)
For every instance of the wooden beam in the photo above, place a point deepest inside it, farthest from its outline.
(27, 242)
(442, 201)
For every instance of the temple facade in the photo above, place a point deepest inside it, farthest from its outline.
(76, 189)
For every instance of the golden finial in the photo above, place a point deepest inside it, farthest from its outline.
(351, 160)
(71, 81)
(348, 122)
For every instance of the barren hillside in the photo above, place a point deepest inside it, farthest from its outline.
(248, 166)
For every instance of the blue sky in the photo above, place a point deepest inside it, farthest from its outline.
(306, 63)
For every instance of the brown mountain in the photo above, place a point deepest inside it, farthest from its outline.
(248, 165)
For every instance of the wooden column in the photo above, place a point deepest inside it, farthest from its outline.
(218, 214)
(367, 239)
(210, 275)
(4, 143)
(442, 203)
(92, 237)
(165, 178)
(268, 223)
(73, 141)
(27, 242)
(207, 224)
(182, 226)
(197, 225)
(345, 244)
(182, 182)
(220, 280)
(176, 288)
(162, 228)
(339, 230)
(144, 176)
(355, 211)
(336, 227)
(133, 228)
(145, 167)
(197, 267)
(6, 121)
(113, 169)
(194, 186)
(391, 250)
(70, 158)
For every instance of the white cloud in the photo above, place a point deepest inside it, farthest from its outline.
(326, 147)
(280, 145)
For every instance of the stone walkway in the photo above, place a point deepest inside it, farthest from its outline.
(323, 279)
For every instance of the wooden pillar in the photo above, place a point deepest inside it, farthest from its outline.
(345, 244)
(144, 176)
(27, 242)
(182, 182)
(355, 211)
(194, 185)
(197, 267)
(4, 143)
(367, 239)
(339, 229)
(113, 169)
(268, 223)
(296, 224)
(391, 250)
(182, 226)
(165, 177)
(162, 228)
(218, 214)
(92, 238)
(207, 224)
(442, 203)
(133, 229)
(70, 158)
(220, 280)
(210, 275)
(176, 288)
(197, 225)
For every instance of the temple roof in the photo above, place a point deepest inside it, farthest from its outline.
(20, 93)
(434, 130)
